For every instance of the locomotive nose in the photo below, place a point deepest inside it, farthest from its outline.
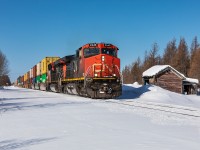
(104, 66)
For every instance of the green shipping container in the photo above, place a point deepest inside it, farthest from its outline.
(38, 79)
(44, 77)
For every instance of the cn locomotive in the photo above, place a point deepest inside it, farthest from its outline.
(93, 71)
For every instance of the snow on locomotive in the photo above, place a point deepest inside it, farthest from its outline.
(94, 71)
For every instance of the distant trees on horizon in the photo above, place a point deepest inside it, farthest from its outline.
(4, 71)
(180, 57)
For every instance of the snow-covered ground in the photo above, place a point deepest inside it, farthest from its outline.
(142, 118)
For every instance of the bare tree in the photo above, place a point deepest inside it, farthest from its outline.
(4, 71)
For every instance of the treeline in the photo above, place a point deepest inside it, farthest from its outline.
(4, 71)
(185, 60)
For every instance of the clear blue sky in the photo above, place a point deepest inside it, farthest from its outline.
(33, 29)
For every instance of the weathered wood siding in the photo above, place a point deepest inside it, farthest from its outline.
(169, 81)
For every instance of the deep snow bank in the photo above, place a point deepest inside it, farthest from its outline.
(152, 93)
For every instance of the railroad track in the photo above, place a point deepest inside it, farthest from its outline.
(181, 110)
(170, 108)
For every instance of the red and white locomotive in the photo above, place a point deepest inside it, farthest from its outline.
(94, 71)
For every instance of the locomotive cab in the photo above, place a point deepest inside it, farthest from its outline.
(100, 60)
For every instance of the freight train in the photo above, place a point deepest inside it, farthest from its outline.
(93, 71)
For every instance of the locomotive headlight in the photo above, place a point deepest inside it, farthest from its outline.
(103, 58)
(114, 75)
(95, 74)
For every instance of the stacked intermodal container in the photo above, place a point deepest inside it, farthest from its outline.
(34, 74)
(38, 72)
(22, 81)
(28, 79)
(36, 77)
(44, 69)
(19, 81)
(25, 80)
(31, 75)
(44, 66)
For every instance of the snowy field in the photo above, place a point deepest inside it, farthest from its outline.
(143, 118)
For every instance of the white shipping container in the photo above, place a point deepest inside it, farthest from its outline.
(38, 69)
(31, 73)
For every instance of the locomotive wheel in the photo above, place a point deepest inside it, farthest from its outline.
(65, 90)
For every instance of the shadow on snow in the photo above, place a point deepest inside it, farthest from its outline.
(5, 107)
(20, 98)
(16, 89)
(130, 92)
(16, 144)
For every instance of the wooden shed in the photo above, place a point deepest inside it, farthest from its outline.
(170, 79)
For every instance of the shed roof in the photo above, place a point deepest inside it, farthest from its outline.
(157, 69)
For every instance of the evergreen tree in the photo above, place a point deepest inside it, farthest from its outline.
(195, 65)
(126, 75)
(177, 57)
(194, 45)
(145, 64)
(152, 58)
(169, 53)
(193, 53)
(181, 60)
(137, 71)
(133, 73)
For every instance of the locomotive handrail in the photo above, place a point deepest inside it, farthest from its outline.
(110, 70)
(99, 70)
(88, 69)
(121, 76)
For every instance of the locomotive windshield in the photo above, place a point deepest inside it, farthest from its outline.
(91, 52)
(109, 51)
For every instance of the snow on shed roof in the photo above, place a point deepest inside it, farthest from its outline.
(154, 70)
(158, 68)
(192, 80)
